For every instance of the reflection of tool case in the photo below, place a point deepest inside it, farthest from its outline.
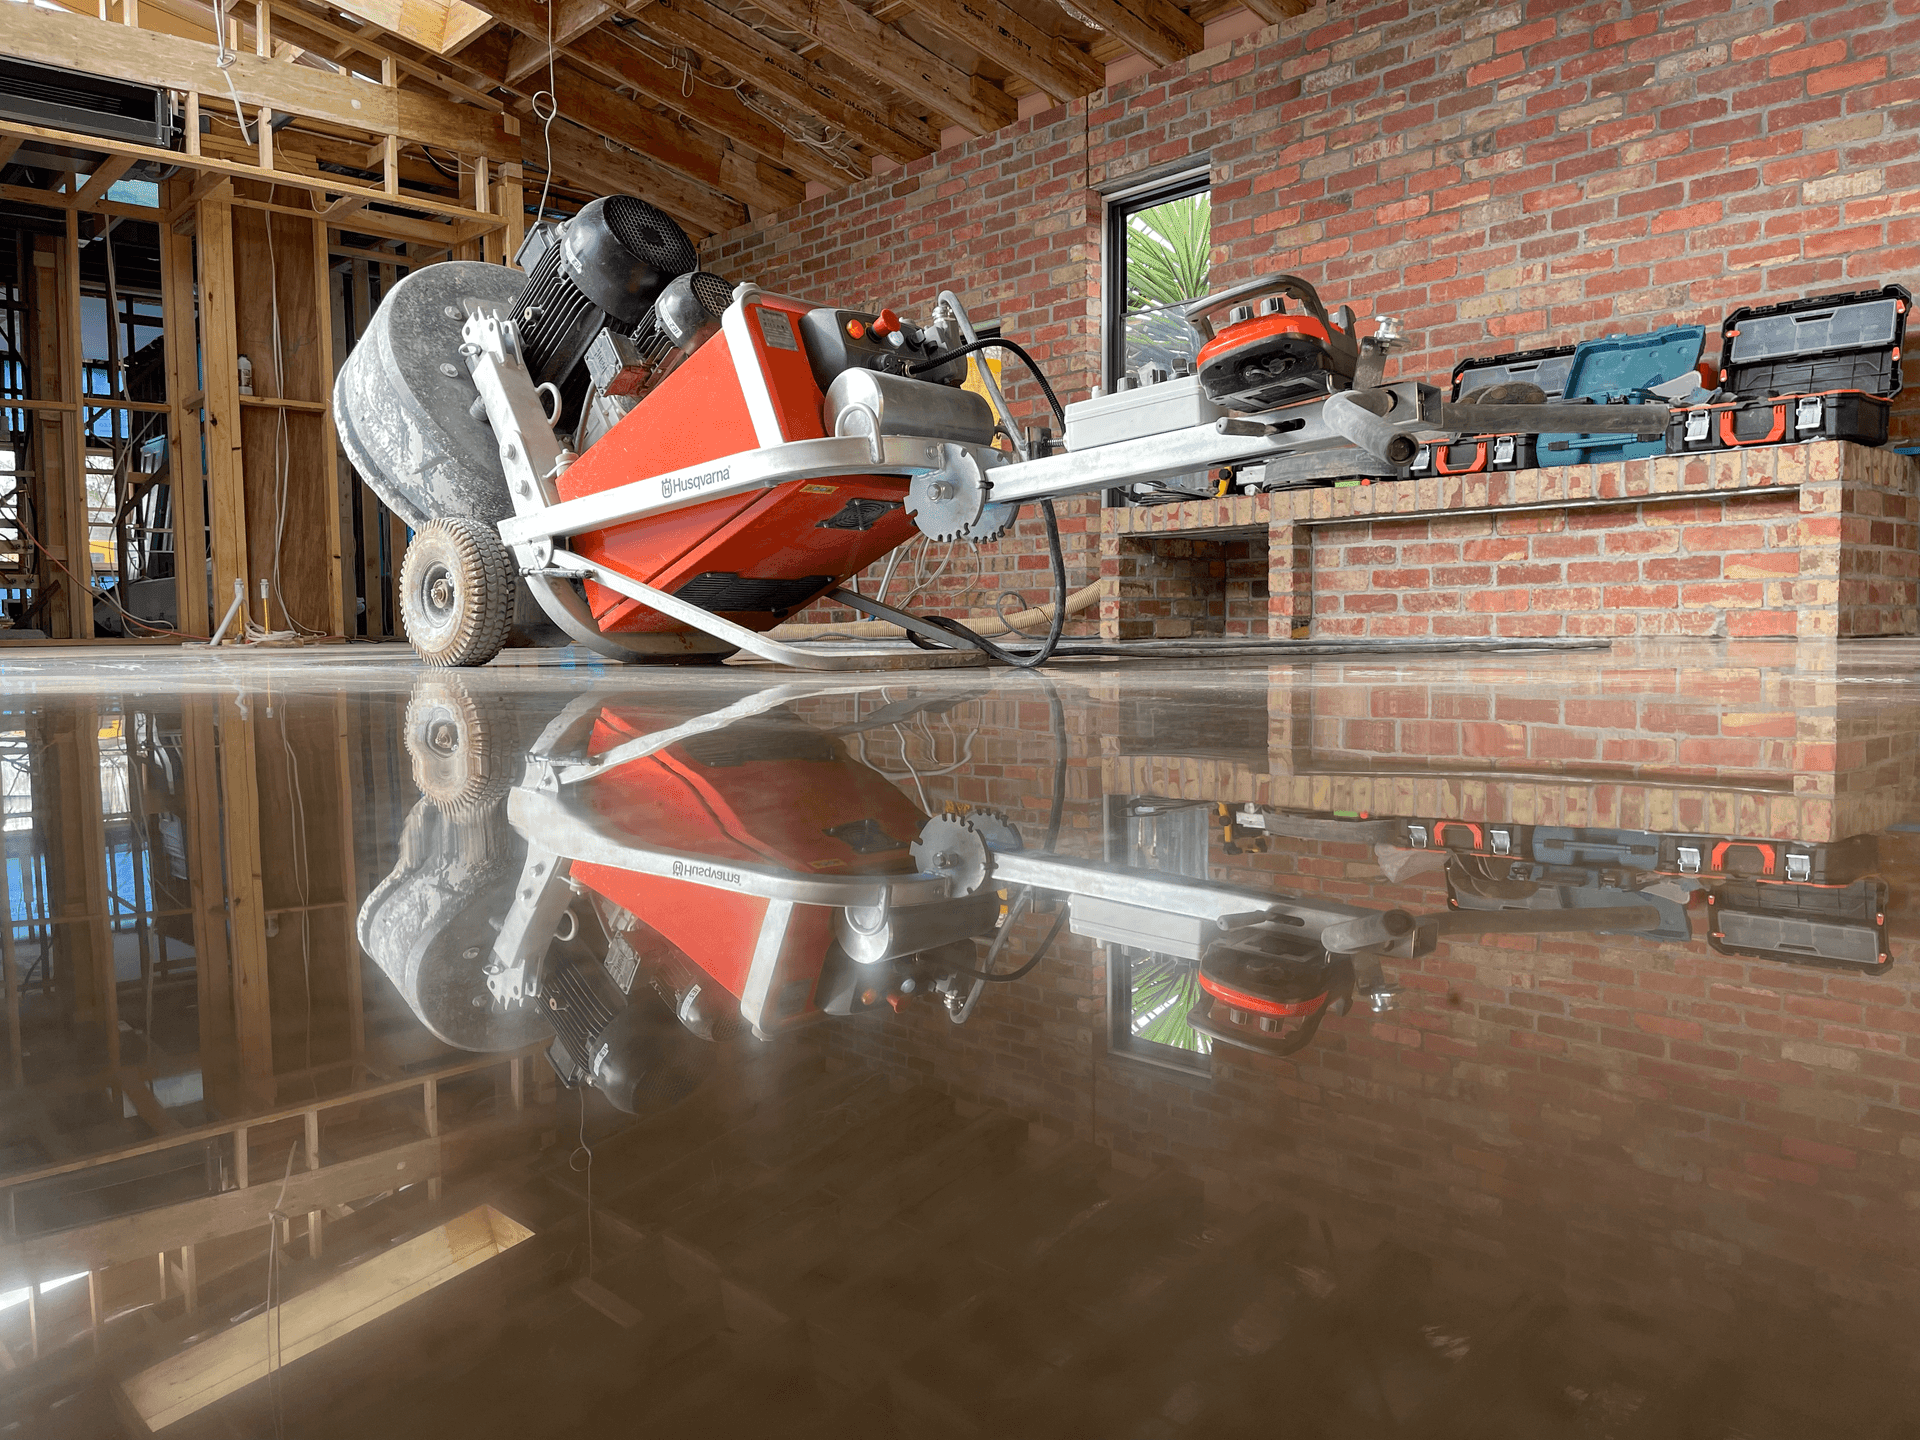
(1626, 849)
(1564, 889)
(1545, 368)
(1823, 368)
(1785, 861)
(1469, 837)
(1621, 369)
(1843, 927)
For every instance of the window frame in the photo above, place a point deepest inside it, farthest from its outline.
(1192, 178)
(1122, 1043)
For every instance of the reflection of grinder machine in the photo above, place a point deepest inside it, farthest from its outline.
(739, 871)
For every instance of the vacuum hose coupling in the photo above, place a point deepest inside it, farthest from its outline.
(1360, 417)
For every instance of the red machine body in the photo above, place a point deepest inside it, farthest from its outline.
(764, 792)
(755, 558)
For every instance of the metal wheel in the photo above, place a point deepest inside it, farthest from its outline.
(456, 592)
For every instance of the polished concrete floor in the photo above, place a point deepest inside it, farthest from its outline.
(1621, 1138)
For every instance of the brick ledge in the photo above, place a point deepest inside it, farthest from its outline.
(1558, 487)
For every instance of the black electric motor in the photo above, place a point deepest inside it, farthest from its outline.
(605, 266)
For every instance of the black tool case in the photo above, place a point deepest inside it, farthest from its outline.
(1839, 927)
(1838, 862)
(1478, 454)
(1824, 368)
(1495, 839)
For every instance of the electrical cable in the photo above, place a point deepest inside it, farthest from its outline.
(1004, 977)
(553, 113)
(994, 342)
(572, 1164)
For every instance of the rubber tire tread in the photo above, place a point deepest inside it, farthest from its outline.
(483, 573)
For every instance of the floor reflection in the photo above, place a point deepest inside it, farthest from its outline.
(1488, 1046)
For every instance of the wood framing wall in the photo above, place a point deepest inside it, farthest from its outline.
(268, 250)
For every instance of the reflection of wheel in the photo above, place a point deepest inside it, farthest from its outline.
(456, 592)
(458, 746)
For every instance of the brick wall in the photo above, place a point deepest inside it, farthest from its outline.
(1802, 540)
(1499, 176)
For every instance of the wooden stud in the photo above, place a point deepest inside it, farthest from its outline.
(226, 485)
(77, 537)
(192, 120)
(190, 1277)
(324, 368)
(33, 1318)
(315, 1217)
(263, 132)
(184, 473)
(102, 179)
(263, 29)
(246, 915)
(390, 164)
(93, 1281)
(430, 1102)
(240, 1157)
(161, 1256)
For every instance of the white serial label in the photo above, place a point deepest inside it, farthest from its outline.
(776, 329)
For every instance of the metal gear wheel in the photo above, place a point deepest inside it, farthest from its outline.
(994, 521)
(995, 829)
(948, 503)
(950, 846)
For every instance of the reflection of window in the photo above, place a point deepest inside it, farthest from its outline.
(1159, 251)
(1148, 993)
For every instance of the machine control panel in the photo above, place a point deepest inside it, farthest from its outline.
(842, 340)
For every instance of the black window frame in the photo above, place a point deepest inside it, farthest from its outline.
(1120, 208)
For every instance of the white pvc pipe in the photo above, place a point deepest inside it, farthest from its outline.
(239, 599)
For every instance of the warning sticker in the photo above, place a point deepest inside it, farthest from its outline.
(776, 329)
(818, 489)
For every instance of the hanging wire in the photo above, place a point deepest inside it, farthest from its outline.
(552, 96)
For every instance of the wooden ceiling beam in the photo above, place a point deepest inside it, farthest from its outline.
(1272, 12)
(890, 58)
(720, 110)
(582, 157)
(1157, 29)
(77, 42)
(570, 19)
(774, 70)
(669, 143)
(1012, 41)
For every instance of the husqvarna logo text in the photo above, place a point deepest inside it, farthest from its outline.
(712, 874)
(687, 484)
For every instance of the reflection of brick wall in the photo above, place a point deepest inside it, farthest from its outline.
(1650, 1124)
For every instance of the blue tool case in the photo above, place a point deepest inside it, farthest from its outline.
(1622, 370)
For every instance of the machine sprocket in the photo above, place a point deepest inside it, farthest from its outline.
(950, 846)
(951, 503)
